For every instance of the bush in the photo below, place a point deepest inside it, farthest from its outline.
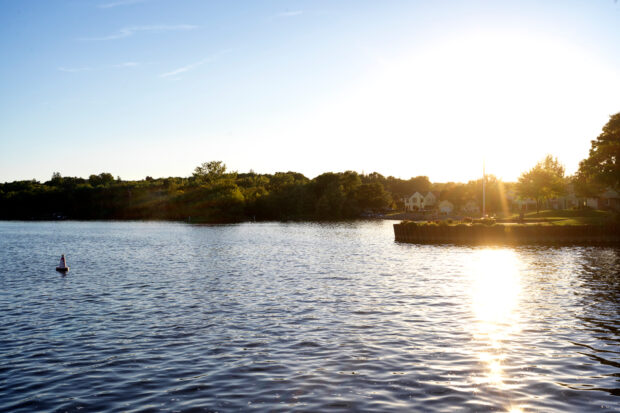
(484, 221)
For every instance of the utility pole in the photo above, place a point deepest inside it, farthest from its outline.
(484, 181)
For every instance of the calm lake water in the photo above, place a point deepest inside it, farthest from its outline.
(300, 317)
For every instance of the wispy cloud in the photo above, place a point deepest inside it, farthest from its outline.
(118, 3)
(130, 31)
(90, 68)
(186, 68)
(173, 74)
(127, 64)
(292, 13)
(75, 69)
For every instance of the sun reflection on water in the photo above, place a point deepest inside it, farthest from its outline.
(495, 292)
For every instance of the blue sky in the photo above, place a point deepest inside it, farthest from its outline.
(405, 88)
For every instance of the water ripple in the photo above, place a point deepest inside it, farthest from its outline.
(300, 317)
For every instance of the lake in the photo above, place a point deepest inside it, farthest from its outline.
(157, 316)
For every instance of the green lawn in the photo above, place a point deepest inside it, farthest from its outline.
(569, 216)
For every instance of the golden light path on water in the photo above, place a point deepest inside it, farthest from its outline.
(495, 294)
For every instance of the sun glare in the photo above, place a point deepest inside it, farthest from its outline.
(469, 97)
(495, 297)
(496, 286)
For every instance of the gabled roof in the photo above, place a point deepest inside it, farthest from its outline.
(610, 193)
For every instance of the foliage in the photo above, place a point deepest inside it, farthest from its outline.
(602, 166)
(544, 181)
(484, 221)
(209, 195)
(209, 171)
(102, 179)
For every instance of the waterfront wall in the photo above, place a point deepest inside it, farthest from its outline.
(479, 234)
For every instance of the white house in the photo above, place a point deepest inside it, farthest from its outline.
(415, 202)
(446, 207)
(419, 202)
(430, 200)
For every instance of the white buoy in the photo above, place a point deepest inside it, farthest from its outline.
(62, 267)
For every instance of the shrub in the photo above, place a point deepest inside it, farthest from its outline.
(484, 221)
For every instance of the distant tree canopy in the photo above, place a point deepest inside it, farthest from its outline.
(101, 179)
(211, 194)
(602, 166)
(210, 171)
(544, 181)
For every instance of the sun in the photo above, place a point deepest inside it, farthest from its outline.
(505, 97)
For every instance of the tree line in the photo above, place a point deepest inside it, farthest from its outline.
(596, 173)
(211, 194)
(214, 194)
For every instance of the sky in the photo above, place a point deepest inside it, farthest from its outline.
(154, 88)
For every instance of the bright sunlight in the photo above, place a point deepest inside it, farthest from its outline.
(495, 297)
(489, 95)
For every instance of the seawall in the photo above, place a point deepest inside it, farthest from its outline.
(479, 234)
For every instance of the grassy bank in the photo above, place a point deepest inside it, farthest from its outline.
(569, 217)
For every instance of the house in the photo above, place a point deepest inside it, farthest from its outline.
(445, 207)
(415, 202)
(470, 208)
(609, 200)
(570, 200)
(524, 204)
(419, 202)
(430, 200)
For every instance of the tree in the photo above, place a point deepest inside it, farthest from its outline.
(210, 171)
(104, 178)
(56, 179)
(373, 196)
(543, 181)
(602, 166)
(404, 189)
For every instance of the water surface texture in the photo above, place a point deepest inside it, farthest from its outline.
(300, 317)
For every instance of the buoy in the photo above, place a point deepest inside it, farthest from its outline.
(62, 267)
